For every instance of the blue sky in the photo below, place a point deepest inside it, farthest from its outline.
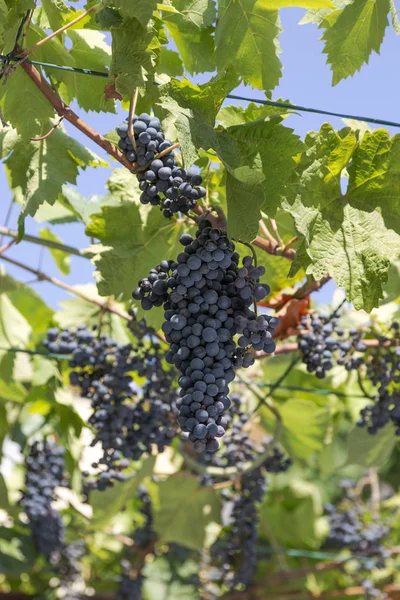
(306, 81)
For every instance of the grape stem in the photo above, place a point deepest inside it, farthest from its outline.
(105, 306)
(273, 248)
(361, 384)
(275, 386)
(132, 109)
(48, 134)
(268, 235)
(27, 25)
(274, 228)
(47, 243)
(65, 111)
(6, 246)
(168, 150)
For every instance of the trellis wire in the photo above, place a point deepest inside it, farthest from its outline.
(292, 388)
(276, 104)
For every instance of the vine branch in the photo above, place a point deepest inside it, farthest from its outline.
(273, 249)
(42, 242)
(69, 115)
(76, 292)
(48, 134)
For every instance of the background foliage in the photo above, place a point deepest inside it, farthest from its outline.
(336, 192)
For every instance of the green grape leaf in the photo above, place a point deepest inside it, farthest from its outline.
(341, 234)
(133, 56)
(108, 503)
(141, 10)
(310, 4)
(37, 112)
(56, 10)
(395, 16)
(89, 50)
(177, 499)
(352, 34)
(269, 149)
(29, 304)
(41, 168)
(129, 246)
(10, 21)
(316, 15)
(191, 27)
(15, 330)
(62, 259)
(170, 63)
(320, 168)
(371, 450)
(204, 99)
(305, 426)
(169, 578)
(246, 37)
(85, 207)
(245, 200)
(4, 502)
(230, 116)
(290, 516)
(8, 139)
(12, 392)
(356, 250)
(374, 182)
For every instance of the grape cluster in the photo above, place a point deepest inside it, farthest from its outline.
(380, 364)
(277, 462)
(352, 527)
(161, 180)
(45, 470)
(126, 419)
(383, 370)
(317, 343)
(232, 559)
(234, 556)
(203, 302)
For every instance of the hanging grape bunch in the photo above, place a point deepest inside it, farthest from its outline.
(45, 468)
(161, 180)
(382, 366)
(127, 420)
(352, 527)
(207, 298)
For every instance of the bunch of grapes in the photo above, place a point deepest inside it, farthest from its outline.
(381, 364)
(161, 180)
(383, 370)
(45, 471)
(204, 293)
(317, 343)
(352, 527)
(232, 559)
(127, 419)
